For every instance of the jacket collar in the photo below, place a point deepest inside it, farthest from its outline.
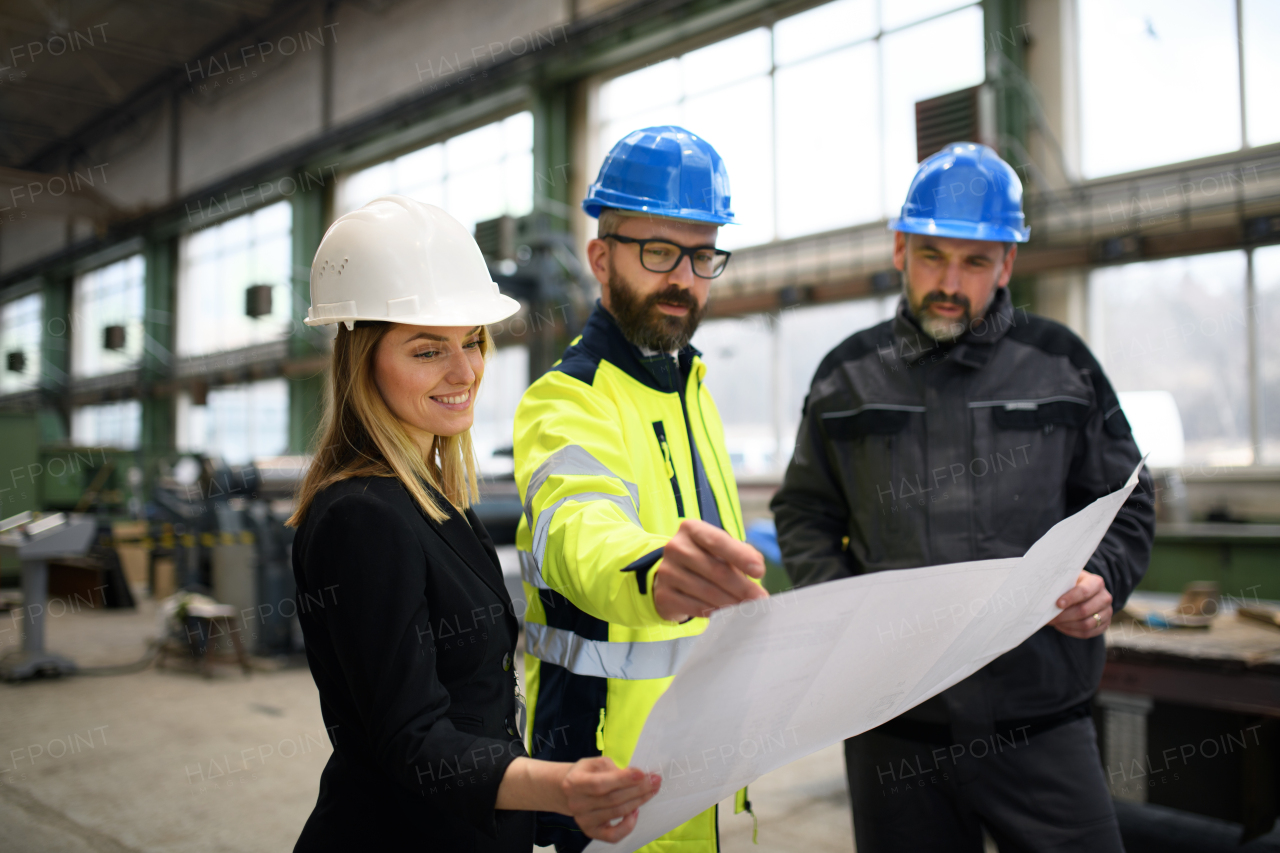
(974, 348)
(603, 337)
(467, 542)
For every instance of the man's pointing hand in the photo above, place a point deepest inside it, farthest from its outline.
(703, 569)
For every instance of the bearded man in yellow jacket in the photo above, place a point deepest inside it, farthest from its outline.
(632, 533)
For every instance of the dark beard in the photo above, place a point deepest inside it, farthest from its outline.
(644, 324)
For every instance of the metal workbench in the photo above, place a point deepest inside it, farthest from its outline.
(1190, 717)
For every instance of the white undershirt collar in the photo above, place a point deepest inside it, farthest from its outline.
(650, 353)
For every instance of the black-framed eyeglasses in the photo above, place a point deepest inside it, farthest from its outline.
(664, 256)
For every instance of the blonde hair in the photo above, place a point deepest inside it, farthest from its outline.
(360, 437)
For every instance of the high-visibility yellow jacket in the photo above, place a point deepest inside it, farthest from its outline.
(604, 466)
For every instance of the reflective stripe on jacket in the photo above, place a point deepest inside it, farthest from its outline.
(605, 468)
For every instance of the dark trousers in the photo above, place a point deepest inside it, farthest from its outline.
(1037, 792)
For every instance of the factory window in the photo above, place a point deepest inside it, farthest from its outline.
(1261, 32)
(814, 116)
(759, 369)
(20, 321)
(115, 425)
(1172, 336)
(1143, 104)
(741, 357)
(218, 264)
(238, 423)
(1266, 276)
(106, 318)
(477, 175)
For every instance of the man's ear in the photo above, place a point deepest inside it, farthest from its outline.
(1006, 268)
(900, 250)
(598, 260)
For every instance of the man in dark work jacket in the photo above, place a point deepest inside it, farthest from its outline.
(963, 429)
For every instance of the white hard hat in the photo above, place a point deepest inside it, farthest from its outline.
(403, 261)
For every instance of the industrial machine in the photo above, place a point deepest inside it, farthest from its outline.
(221, 529)
(35, 540)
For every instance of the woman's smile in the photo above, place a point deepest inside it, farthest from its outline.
(457, 402)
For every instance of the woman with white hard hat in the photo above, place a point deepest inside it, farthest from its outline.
(409, 629)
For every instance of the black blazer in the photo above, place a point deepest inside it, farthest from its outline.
(411, 641)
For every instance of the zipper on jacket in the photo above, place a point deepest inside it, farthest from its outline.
(600, 733)
(742, 534)
(661, 433)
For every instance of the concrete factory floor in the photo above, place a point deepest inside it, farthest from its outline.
(165, 760)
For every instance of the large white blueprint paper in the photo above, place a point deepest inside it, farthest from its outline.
(771, 681)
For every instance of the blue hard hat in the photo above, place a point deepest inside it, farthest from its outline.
(666, 171)
(965, 191)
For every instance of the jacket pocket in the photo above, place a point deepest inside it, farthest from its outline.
(668, 460)
(867, 450)
(469, 723)
(867, 420)
(1040, 414)
(1024, 450)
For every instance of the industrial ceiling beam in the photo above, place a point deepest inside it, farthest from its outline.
(589, 44)
(155, 90)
